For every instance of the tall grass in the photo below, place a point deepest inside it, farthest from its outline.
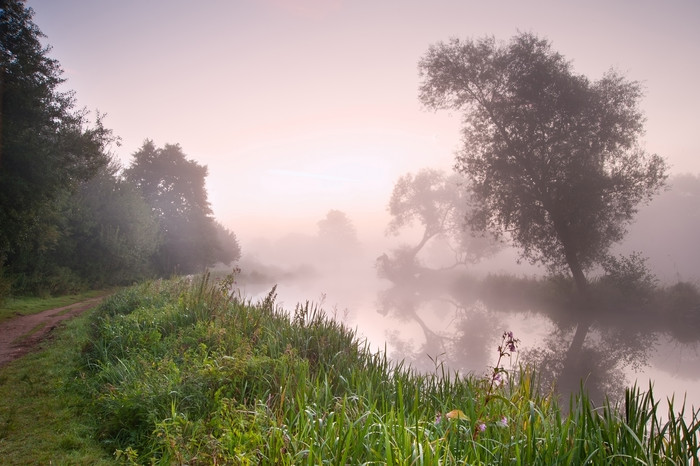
(181, 372)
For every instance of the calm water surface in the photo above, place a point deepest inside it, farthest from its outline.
(466, 339)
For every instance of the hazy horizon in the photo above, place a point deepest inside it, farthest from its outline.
(300, 107)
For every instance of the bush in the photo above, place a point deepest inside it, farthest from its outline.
(5, 285)
(680, 309)
(627, 282)
(54, 281)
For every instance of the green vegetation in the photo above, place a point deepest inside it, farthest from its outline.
(44, 415)
(180, 372)
(72, 219)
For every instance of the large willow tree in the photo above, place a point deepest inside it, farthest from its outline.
(553, 158)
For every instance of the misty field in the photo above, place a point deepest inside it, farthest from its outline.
(181, 372)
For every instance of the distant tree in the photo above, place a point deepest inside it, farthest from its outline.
(337, 231)
(47, 148)
(553, 159)
(439, 204)
(174, 188)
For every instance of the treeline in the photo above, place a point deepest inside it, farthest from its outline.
(70, 216)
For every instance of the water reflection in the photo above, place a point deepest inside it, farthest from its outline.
(462, 316)
(431, 300)
(422, 316)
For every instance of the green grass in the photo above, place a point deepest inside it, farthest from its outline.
(26, 305)
(44, 417)
(178, 372)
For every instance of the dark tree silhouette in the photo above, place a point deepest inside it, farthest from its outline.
(553, 159)
(228, 248)
(47, 147)
(174, 188)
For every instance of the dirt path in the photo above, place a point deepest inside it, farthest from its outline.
(23, 334)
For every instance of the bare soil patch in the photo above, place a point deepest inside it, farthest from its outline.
(23, 334)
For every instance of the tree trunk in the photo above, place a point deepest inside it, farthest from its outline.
(426, 237)
(570, 378)
(583, 308)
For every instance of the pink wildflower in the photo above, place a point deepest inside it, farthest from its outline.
(497, 378)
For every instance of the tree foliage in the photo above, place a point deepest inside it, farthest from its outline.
(337, 230)
(228, 248)
(111, 233)
(170, 183)
(439, 204)
(67, 217)
(47, 147)
(553, 158)
(336, 244)
(174, 187)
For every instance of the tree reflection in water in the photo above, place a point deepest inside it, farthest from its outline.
(461, 318)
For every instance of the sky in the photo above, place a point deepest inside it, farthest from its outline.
(298, 107)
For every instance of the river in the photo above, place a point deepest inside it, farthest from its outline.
(425, 329)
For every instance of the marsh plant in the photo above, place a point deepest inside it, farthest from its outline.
(499, 378)
(184, 372)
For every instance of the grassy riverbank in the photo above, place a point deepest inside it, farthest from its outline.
(177, 372)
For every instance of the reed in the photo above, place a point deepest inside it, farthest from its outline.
(183, 372)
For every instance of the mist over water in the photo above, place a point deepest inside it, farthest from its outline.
(423, 332)
(456, 317)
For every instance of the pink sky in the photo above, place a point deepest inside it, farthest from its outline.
(299, 107)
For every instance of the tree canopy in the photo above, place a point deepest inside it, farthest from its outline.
(47, 147)
(111, 233)
(68, 218)
(439, 204)
(174, 187)
(170, 183)
(337, 231)
(553, 158)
